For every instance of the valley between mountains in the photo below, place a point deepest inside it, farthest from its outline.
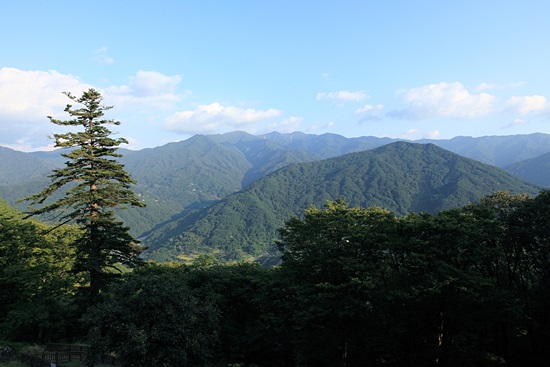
(228, 194)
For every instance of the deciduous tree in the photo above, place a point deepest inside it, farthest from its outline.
(35, 278)
(153, 319)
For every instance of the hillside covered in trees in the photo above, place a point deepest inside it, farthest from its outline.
(401, 177)
(176, 178)
(356, 287)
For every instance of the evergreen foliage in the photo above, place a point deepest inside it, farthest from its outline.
(96, 184)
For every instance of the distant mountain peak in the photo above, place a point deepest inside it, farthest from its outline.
(401, 176)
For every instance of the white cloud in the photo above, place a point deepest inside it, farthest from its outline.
(527, 104)
(450, 100)
(26, 99)
(33, 95)
(146, 89)
(369, 112)
(216, 117)
(342, 95)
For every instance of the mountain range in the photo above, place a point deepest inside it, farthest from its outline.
(229, 193)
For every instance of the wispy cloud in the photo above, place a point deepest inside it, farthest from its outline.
(519, 122)
(342, 95)
(287, 125)
(515, 123)
(314, 128)
(487, 86)
(101, 56)
(216, 117)
(414, 134)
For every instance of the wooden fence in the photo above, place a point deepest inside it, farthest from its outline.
(62, 353)
(59, 347)
(47, 358)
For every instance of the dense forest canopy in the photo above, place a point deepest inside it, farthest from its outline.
(356, 287)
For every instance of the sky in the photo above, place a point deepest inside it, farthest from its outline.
(408, 69)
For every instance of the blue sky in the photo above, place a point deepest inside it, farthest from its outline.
(172, 69)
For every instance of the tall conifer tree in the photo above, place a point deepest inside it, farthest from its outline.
(96, 184)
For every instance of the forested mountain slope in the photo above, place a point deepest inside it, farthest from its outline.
(402, 177)
(171, 178)
(179, 177)
(536, 170)
(198, 171)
